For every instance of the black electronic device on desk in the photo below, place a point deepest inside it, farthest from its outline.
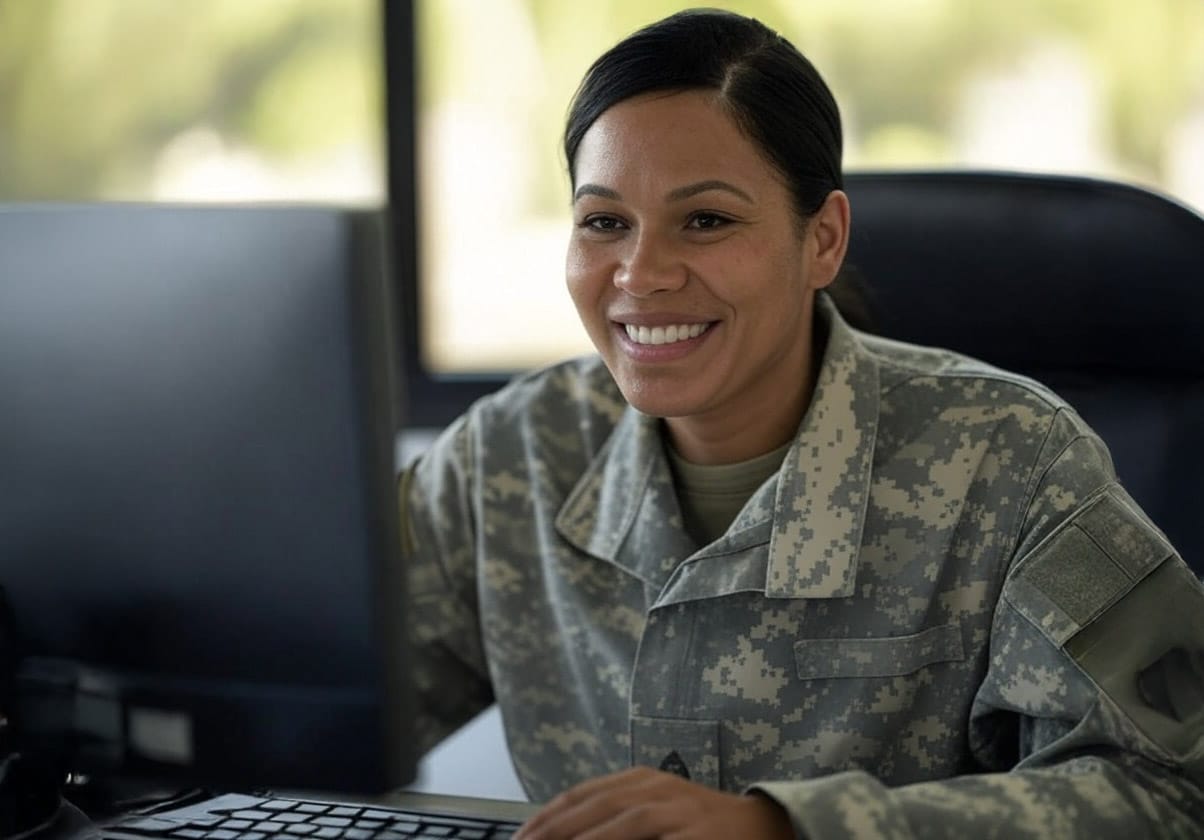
(198, 521)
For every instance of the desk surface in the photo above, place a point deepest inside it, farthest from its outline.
(463, 806)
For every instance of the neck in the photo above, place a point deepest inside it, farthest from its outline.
(729, 440)
(760, 424)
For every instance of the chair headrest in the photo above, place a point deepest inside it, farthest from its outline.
(1032, 272)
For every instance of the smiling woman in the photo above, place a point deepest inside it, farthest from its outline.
(756, 573)
(706, 173)
(662, 243)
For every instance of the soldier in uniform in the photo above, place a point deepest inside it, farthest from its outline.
(752, 572)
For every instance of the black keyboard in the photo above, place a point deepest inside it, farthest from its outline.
(239, 817)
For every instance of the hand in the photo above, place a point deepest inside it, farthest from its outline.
(646, 804)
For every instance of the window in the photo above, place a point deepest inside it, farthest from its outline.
(221, 100)
(284, 100)
(1096, 87)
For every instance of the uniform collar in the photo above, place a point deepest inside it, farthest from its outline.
(823, 487)
(624, 508)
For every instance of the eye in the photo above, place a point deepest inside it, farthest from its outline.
(601, 223)
(707, 220)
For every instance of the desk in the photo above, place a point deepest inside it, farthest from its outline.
(460, 806)
(472, 761)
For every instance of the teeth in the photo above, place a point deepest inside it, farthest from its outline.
(664, 335)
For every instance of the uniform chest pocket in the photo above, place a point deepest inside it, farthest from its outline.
(888, 656)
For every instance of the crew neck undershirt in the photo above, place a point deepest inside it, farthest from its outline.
(710, 495)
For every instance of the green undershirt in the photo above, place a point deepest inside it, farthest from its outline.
(710, 495)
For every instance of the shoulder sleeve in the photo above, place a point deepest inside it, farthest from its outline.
(1091, 714)
(1102, 588)
(447, 664)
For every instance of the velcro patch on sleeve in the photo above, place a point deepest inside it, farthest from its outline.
(1086, 566)
(1122, 531)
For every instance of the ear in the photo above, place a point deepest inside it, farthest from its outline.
(828, 232)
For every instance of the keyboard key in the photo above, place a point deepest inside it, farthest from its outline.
(405, 827)
(278, 805)
(460, 822)
(301, 828)
(223, 834)
(358, 834)
(370, 825)
(332, 822)
(373, 814)
(344, 811)
(189, 833)
(328, 833)
(205, 822)
(313, 808)
(291, 817)
(270, 827)
(437, 831)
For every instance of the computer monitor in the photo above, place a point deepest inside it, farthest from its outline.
(198, 519)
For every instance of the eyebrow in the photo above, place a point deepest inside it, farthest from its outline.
(679, 194)
(691, 190)
(594, 189)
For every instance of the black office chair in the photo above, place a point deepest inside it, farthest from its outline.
(1094, 288)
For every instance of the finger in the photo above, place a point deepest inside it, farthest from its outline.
(596, 819)
(585, 795)
(646, 820)
(596, 803)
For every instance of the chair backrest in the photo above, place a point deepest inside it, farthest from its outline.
(1092, 287)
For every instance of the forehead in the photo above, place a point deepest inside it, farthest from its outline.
(669, 139)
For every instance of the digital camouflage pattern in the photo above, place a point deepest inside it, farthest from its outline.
(943, 617)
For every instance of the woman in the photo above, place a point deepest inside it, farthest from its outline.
(806, 581)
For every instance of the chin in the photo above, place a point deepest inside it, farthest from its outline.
(658, 400)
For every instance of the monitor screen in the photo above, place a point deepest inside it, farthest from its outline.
(198, 533)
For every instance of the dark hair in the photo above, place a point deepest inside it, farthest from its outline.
(773, 93)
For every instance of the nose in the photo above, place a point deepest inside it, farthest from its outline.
(651, 266)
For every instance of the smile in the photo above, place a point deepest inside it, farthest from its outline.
(664, 335)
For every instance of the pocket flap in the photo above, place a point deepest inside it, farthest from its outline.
(890, 656)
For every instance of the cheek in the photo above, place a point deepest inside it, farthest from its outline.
(761, 283)
(583, 277)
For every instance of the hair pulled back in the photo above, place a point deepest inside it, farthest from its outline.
(770, 89)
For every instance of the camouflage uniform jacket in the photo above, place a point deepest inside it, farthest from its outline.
(941, 617)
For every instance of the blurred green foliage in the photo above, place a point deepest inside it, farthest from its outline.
(92, 90)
